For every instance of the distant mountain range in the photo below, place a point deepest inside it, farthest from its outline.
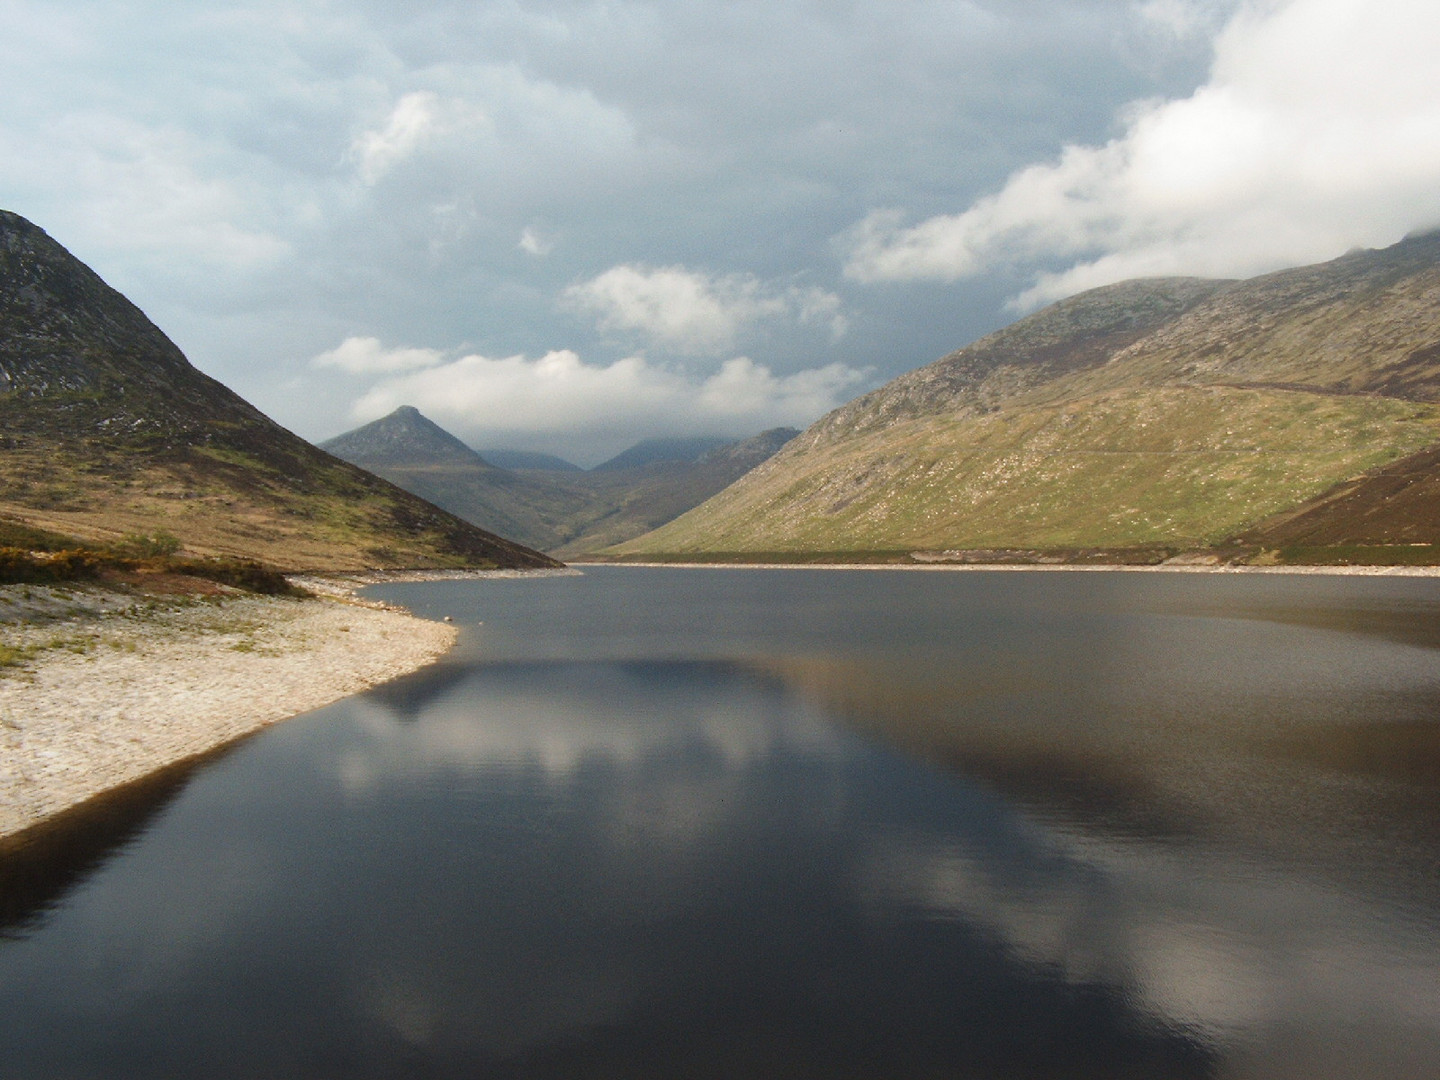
(563, 510)
(107, 430)
(526, 459)
(1291, 416)
(650, 451)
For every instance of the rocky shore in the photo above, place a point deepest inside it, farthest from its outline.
(100, 687)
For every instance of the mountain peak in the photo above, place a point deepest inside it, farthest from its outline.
(747, 453)
(404, 437)
(87, 358)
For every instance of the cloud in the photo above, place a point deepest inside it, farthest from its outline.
(694, 312)
(534, 243)
(418, 118)
(366, 356)
(410, 121)
(560, 397)
(1317, 130)
(1186, 18)
(152, 189)
(264, 178)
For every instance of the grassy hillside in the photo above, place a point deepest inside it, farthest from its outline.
(1167, 412)
(107, 430)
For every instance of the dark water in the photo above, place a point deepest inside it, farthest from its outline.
(697, 823)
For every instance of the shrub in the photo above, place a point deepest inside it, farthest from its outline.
(17, 565)
(16, 534)
(158, 544)
(239, 573)
(20, 566)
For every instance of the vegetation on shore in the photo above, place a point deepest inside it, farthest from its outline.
(1220, 555)
(49, 558)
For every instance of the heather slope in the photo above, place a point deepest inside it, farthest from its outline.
(1165, 411)
(108, 430)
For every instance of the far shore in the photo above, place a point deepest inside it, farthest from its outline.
(1129, 568)
(104, 687)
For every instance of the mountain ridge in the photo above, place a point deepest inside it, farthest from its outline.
(109, 430)
(404, 436)
(1237, 401)
(566, 512)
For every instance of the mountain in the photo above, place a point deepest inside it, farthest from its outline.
(649, 451)
(405, 437)
(416, 454)
(748, 453)
(1395, 506)
(632, 500)
(561, 511)
(108, 430)
(526, 460)
(1166, 413)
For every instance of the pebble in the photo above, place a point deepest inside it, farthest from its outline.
(174, 683)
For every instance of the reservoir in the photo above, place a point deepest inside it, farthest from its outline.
(792, 823)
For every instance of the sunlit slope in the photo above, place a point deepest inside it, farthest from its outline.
(1173, 465)
(1153, 412)
(106, 429)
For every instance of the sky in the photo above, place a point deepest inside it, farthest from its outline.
(566, 225)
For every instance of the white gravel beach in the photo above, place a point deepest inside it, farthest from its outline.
(102, 687)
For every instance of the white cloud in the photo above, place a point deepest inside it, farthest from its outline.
(694, 312)
(1185, 18)
(409, 122)
(534, 243)
(561, 396)
(418, 118)
(366, 356)
(1318, 130)
(151, 188)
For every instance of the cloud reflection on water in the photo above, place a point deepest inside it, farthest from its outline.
(984, 853)
(1211, 942)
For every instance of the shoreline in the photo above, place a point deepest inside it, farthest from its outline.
(104, 688)
(1158, 568)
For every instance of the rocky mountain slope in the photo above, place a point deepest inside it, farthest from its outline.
(415, 453)
(107, 430)
(527, 459)
(627, 502)
(1374, 517)
(568, 512)
(650, 451)
(1163, 413)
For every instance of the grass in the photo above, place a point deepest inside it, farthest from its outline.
(759, 558)
(120, 620)
(15, 656)
(17, 534)
(1359, 555)
(1180, 466)
(85, 564)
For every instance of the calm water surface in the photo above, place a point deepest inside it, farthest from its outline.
(769, 823)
